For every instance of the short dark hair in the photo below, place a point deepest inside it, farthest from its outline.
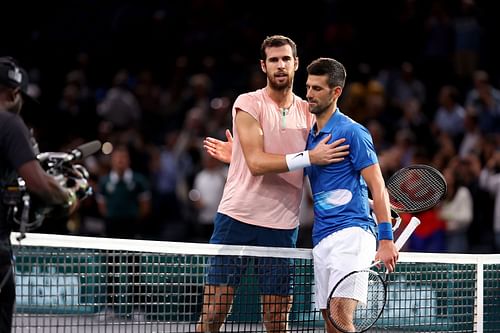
(332, 68)
(277, 41)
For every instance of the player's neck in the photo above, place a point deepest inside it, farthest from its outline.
(323, 118)
(282, 98)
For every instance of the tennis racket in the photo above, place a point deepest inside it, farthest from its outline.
(358, 299)
(416, 188)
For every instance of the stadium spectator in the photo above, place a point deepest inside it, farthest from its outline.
(490, 180)
(456, 211)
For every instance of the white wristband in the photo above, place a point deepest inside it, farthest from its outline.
(298, 160)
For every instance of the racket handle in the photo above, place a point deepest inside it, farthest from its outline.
(408, 230)
(403, 237)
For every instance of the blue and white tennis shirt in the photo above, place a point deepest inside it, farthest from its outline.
(340, 194)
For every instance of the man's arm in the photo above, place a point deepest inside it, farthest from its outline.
(260, 162)
(252, 143)
(387, 251)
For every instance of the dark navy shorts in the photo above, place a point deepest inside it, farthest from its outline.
(274, 275)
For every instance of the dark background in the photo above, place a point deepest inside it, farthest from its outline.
(176, 40)
(50, 36)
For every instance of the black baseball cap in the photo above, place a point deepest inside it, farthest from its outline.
(14, 76)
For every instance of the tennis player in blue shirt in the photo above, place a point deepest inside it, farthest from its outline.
(344, 237)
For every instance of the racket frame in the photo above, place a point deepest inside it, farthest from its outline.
(383, 280)
(438, 175)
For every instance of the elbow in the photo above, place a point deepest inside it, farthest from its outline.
(256, 168)
(256, 171)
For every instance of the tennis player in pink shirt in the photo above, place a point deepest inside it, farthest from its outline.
(259, 208)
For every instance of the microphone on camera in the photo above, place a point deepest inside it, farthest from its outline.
(84, 150)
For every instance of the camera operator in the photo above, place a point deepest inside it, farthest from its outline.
(18, 159)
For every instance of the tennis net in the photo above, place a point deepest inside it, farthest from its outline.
(87, 284)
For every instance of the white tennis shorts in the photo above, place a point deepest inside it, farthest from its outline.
(339, 254)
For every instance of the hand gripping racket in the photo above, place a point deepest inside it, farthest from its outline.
(358, 299)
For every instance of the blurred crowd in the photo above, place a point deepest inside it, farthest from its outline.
(435, 100)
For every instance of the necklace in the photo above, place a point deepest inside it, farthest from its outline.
(284, 113)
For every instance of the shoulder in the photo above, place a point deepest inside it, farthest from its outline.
(7, 118)
(349, 124)
(251, 102)
(251, 96)
(12, 125)
(353, 131)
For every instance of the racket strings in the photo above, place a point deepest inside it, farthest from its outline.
(361, 294)
(416, 190)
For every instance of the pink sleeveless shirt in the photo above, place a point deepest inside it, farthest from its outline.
(270, 200)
